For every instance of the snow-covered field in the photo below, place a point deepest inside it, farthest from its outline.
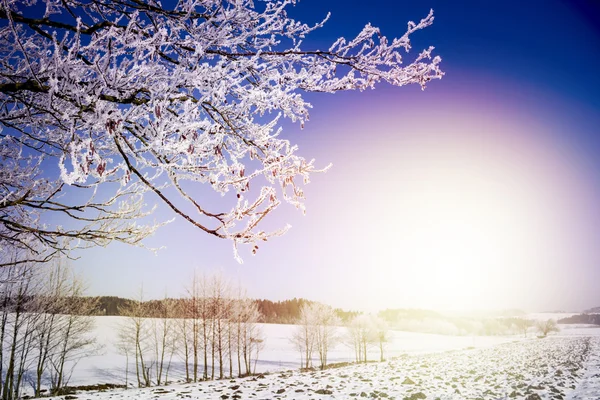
(425, 366)
(279, 353)
(562, 366)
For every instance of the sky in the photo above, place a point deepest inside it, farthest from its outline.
(480, 192)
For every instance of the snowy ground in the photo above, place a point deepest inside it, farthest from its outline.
(564, 366)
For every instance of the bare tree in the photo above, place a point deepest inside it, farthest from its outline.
(546, 327)
(183, 343)
(18, 325)
(523, 325)
(382, 335)
(218, 327)
(238, 311)
(230, 329)
(360, 335)
(26, 336)
(304, 335)
(151, 334)
(126, 97)
(135, 332)
(44, 343)
(51, 306)
(250, 336)
(10, 279)
(18, 286)
(163, 338)
(73, 334)
(199, 310)
(257, 342)
(125, 347)
(220, 299)
(45, 326)
(326, 326)
(316, 330)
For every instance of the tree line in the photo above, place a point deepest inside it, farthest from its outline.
(272, 312)
(46, 327)
(214, 331)
(585, 318)
(319, 329)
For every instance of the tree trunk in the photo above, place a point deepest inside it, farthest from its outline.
(126, 370)
(230, 349)
(220, 348)
(239, 350)
(195, 337)
(365, 350)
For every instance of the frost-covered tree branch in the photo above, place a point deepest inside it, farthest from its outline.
(129, 97)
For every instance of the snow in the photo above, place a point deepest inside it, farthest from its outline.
(165, 109)
(444, 367)
(589, 385)
(565, 365)
(279, 353)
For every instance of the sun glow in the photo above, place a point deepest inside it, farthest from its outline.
(457, 239)
(470, 219)
(456, 231)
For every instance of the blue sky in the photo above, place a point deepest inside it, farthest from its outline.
(480, 191)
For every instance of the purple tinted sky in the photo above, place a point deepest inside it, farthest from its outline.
(513, 126)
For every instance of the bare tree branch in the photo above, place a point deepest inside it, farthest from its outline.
(143, 100)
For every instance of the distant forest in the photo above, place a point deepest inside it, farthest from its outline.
(274, 312)
(593, 319)
(288, 312)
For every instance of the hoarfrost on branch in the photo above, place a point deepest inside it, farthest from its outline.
(128, 97)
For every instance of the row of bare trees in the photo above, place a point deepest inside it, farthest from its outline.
(214, 331)
(45, 327)
(364, 332)
(318, 329)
